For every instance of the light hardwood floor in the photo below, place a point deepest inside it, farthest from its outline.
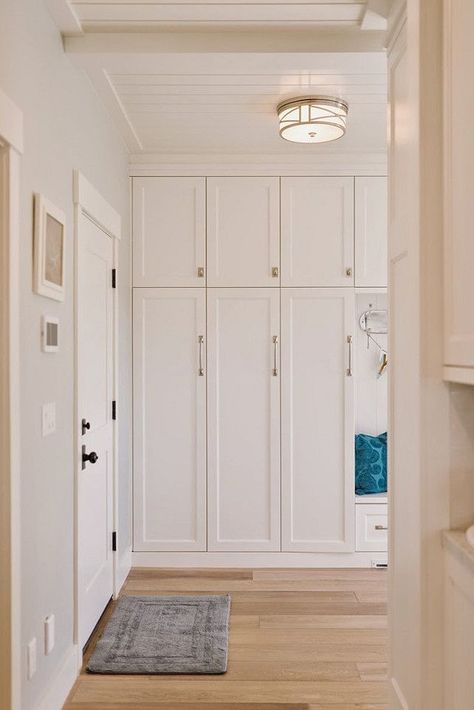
(299, 640)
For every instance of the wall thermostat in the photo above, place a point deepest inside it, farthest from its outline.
(50, 334)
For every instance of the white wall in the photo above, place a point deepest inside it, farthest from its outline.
(66, 127)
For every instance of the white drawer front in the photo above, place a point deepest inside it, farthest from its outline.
(371, 528)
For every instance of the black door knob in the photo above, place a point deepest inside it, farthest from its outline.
(85, 426)
(92, 457)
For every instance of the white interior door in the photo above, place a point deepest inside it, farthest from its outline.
(371, 231)
(169, 231)
(95, 370)
(169, 362)
(244, 419)
(243, 237)
(317, 231)
(317, 421)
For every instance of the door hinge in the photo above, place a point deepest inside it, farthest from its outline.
(114, 409)
(114, 278)
(114, 541)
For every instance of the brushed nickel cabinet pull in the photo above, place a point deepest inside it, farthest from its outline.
(201, 272)
(201, 369)
(275, 355)
(349, 343)
(381, 527)
(275, 272)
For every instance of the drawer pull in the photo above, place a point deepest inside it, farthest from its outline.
(381, 527)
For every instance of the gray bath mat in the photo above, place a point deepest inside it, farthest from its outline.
(165, 635)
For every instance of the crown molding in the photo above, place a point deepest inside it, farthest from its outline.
(65, 17)
(143, 165)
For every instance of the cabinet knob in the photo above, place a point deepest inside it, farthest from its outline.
(201, 272)
(348, 271)
(275, 272)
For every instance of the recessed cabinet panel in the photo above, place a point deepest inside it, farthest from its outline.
(243, 238)
(317, 420)
(169, 419)
(371, 231)
(459, 160)
(169, 231)
(317, 231)
(244, 419)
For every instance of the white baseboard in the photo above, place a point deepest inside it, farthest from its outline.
(398, 701)
(61, 685)
(124, 565)
(256, 559)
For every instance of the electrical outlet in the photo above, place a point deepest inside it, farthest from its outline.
(31, 659)
(48, 418)
(49, 634)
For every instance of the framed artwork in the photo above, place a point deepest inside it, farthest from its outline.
(49, 249)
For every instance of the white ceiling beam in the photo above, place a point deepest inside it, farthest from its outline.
(65, 17)
(376, 15)
(283, 42)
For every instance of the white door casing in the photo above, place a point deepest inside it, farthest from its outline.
(243, 419)
(317, 231)
(371, 231)
(169, 419)
(243, 237)
(95, 392)
(169, 231)
(317, 420)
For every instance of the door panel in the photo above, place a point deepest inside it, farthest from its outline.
(244, 420)
(371, 231)
(243, 231)
(169, 419)
(317, 231)
(169, 231)
(95, 393)
(317, 421)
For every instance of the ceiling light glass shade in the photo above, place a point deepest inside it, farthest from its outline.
(316, 119)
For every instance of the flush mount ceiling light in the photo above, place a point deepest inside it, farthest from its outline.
(313, 119)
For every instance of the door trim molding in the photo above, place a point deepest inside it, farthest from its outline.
(11, 148)
(89, 202)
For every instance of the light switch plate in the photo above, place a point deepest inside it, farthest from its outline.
(31, 659)
(48, 416)
(49, 634)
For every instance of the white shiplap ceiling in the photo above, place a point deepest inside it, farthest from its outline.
(187, 92)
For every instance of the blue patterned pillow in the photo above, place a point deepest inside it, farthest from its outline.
(370, 464)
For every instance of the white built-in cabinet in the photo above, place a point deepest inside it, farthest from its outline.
(244, 418)
(169, 231)
(169, 362)
(243, 231)
(317, 231)
(459, 159)
(317, 420)
(243, 362)
(370, 231)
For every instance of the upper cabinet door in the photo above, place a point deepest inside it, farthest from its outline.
(243, 247)
(371, 231)
(317, 231)
(458, 208)
(169, 231)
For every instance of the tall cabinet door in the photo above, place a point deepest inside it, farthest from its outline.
(169, 419)
(243, 239)
(169, 231)
(317, 231)
(244, 419)
(317, 420)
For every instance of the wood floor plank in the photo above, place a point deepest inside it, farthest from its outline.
(322, 621)
(299, 640)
